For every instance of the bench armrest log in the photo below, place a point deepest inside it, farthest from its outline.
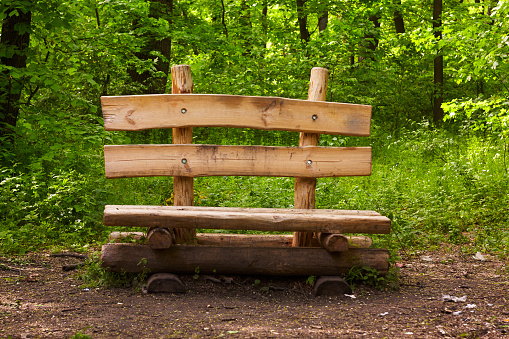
(283, 220)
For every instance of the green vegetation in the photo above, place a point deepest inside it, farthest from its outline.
(441, 176)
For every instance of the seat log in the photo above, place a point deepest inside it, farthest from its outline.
(281, 220)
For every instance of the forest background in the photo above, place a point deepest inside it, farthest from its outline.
(435, 72)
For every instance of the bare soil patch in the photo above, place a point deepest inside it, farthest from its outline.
(40, 300)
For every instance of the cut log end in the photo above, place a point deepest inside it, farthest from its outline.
(165, 282)
(333, 242)
(332, 286)
(159, 238)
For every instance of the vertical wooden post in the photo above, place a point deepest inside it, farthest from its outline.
(183, 188)
(305, 187)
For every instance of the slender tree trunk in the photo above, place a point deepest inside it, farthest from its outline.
(155, 84)
(438, 64)
(302, 18)
(265, 22)
(323, 21)
(372, 38)
(399, 23)
(223, 20)
(15, 37)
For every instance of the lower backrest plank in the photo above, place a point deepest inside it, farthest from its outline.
(210, 160)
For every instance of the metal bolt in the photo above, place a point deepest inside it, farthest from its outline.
(184, 161)
(183, 111)
(309, 162)
(314, 117)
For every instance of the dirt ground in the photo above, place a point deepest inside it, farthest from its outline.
(40, 300)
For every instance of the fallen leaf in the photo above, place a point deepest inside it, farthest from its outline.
(479, 256)
(446, 297)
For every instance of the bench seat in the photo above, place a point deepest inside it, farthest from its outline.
(259, 219)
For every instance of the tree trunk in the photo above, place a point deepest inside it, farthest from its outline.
(15, 37)
(372, 37)
(323, 21)
(302, 19)
(438, 64)
(155, 84)
(399, 23)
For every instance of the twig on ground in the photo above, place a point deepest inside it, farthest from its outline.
(73, 255)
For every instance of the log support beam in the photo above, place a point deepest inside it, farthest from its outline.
(242, 240)
(240, 260)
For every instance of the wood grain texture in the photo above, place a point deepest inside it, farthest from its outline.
(305, 186)
(283, 220)
(123, 161)
(136, 112)
(240, 260)
(183, 186)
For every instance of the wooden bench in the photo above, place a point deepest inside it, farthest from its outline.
(318, 246)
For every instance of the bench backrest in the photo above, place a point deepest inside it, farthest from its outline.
(134, 113)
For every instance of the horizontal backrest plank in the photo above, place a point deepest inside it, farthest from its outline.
(123, 161)
(140, 112)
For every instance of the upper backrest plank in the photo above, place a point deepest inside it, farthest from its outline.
(123, 161)
(140, 112)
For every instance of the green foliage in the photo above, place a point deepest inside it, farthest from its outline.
(80, 335)
(94, 275)
(481, 115)
(46, 209)
(371, 277)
